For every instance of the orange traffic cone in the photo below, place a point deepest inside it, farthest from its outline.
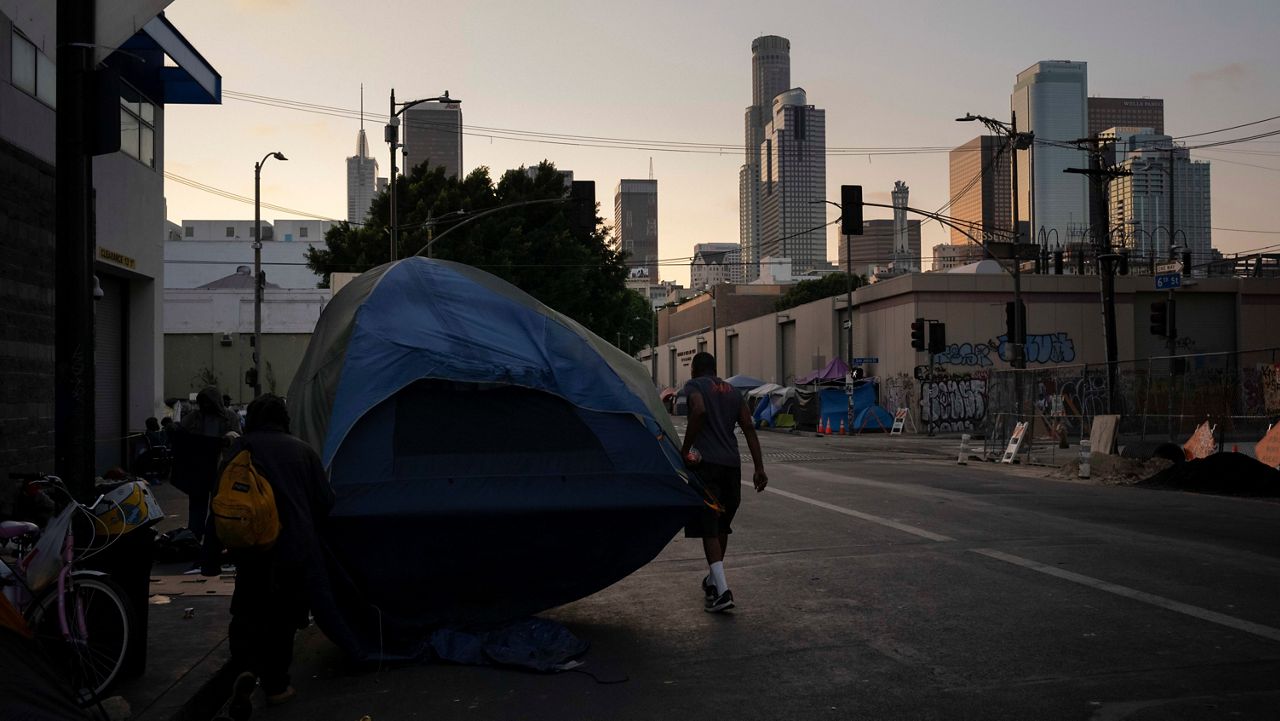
(842, 427)
(824, 427)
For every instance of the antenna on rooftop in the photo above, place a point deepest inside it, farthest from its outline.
(650, 167)
(362, 106)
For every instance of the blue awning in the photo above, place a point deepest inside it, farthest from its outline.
(191, 80)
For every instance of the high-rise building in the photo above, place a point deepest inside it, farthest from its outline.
(1140, 203)
(635, 224)
(362, 181)
(980, 194)
(433, 133)
(793, 179)
(770, 75)
(711, 264)
(1105, 113)
(1050, 99)
(874, 249)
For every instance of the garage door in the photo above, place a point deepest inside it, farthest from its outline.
(109, 380)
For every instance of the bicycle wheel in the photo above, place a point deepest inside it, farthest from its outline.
(91, 655)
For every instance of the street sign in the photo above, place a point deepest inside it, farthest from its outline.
(1170, 267)
(865, 361)
(1168, 281)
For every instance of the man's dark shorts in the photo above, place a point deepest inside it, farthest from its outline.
(725, 483)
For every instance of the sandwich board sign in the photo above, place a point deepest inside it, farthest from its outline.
(1015, 442)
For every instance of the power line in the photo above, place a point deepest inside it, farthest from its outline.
(1233, 127)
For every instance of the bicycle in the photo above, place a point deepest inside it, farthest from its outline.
(78, 617)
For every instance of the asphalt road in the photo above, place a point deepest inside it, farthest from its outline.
(874, 582)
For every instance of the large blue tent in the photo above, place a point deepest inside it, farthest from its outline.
(491, 457)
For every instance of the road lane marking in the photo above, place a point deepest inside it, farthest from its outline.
(1203, 614)
(905, 528)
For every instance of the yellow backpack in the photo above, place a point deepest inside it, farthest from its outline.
(244, 508)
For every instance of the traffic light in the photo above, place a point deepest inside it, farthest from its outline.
(1057, 262)
(917, 334)
(1160, 318)
(251, 377)
(1010, 320)
(851, 210)
(937, 337)
(1124, 262)
(1186, 263)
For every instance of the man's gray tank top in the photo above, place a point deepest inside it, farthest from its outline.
(716, 443)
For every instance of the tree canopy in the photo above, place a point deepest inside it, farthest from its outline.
(558, 252)
(807, 291)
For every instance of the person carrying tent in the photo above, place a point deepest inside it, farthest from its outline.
(271, 597)
(714, 408)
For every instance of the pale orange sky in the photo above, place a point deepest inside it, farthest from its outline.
(887, 74)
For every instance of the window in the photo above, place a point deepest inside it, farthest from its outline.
(33, 72)
(189, 232)
(138, 126)
(231, 231)
(302, 232)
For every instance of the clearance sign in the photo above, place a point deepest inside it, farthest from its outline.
(118, 258)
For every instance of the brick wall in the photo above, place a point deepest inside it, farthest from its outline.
(27, 217)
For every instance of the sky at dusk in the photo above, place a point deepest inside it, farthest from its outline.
(887, 74)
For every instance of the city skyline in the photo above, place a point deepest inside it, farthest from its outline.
(694, 90)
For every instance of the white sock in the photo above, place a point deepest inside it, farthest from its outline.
(717, 577)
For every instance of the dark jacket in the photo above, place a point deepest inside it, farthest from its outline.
(303, 500)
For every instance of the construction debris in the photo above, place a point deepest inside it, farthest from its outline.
(1230, 474)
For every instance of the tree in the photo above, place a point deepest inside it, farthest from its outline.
(543, 249)
(808, 291)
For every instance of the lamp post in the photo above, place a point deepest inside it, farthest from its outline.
(392, 136)
(258, 280)
(1016, 141)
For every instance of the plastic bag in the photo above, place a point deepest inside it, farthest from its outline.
(41, 566)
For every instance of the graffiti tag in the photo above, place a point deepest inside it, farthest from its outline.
(1042, 348)
(955, 404)
(965, 354)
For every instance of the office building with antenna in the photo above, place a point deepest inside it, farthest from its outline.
(362, 175)
(635, 223)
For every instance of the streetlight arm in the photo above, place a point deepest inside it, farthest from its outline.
(490, 211)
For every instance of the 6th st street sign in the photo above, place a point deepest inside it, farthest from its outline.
(1168, 276)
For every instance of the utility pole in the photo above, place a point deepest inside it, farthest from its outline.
(392, 136)
(73, 370)
(1099, 176)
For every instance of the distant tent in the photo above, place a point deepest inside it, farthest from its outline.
(744, 383)
(762, 391)
(491, 457)
(834, 372)
(777, 401)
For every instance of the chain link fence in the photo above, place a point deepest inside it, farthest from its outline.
(1158, 400)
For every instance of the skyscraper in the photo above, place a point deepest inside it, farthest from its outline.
(770, 75)
(1105, 113)
(874, 249)
(1140, 203)
(1050, 99)
(983, 199)
(433, 133)
(635, 223)
(362, 181)
(793, 177)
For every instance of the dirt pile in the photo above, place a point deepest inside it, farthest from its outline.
(1113, 470)
(1228, 474)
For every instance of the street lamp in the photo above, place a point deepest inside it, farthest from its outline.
(1016, 141)
(258, 280)
(392, 136)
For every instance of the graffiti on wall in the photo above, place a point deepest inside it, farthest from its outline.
(1270, 382)
(1042, 348)
(899, 391)
(965, 354)
(955, 403)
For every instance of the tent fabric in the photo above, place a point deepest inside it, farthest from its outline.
(779, 401)
(873, 418)
(557, 467)
(743, 382)
(835, 371)
(535, 644)
(763, 390)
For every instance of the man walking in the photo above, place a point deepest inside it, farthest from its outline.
(714, 408)
(197, 447)
(271, 597)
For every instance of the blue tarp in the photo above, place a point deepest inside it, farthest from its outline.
(491, 457)
(867, 414)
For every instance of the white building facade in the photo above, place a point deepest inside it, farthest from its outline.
(212, 249)
(710, 264)
(1050, 99)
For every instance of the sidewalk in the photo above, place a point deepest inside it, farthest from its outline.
(186, 630)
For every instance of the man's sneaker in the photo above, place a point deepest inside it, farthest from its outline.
(720, 603)
(708, 588)
(240, 707)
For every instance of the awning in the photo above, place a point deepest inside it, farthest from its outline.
(191, 80)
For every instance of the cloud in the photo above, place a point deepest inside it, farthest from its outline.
(1230, 75)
